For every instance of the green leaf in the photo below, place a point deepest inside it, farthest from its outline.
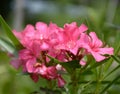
(111, 72)
(23, 73)
(49, 91)
(116, 50)
(110, 84)
(116, 59)
(8, 46)
(95, 82)
(69, 66)
(96, 64)
(10, 35)
(54, 60)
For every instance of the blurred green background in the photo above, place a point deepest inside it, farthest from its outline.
(101, 16)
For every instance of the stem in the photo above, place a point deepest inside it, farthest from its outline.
(97, 87)
(51, 84)
(74, 83)
(98, 80)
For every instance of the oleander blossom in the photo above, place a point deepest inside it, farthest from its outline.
(94, 46)
(65, 44)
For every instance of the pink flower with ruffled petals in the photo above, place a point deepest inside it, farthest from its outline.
(71, 36)
(65, 44)
(46, 72)
(28, 60)
(94, 45)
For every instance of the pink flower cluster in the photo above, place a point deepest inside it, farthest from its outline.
(65, 44)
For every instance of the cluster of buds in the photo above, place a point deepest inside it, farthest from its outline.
(65, 44)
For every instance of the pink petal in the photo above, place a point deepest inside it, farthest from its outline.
(97, 56)
(41, 69)
(61, 81)
(74, 50)
(82, 62)
(15, 63)
(83, 28)
(25, 54)
(30, 65)
(28, 33)
(95, 41)
(44, 46)
(52, 72)
(40, 26)
(59, 67)
(54, 28)
(17, 34)
(34, 77)
(84, 39)
(106, 51)
(70, 26)
(69, 30)
(35, 48)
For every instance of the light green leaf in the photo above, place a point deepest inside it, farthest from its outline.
(111, 72)
(116, 59)
(8, 46)
(96, 64)
(110, 84)
(116, 50)
(10, 35)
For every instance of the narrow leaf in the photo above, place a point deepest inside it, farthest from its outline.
(116, 48)
(96, 64)
(116, 59)
(53, 59)
(69, 66)
(110, 84)
(111, 72)
(95, 82)
(8, 46)
(9, 33)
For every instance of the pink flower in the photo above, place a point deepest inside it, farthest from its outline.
(28, 60)
(34, 77)
(26, 35)
(65, 44)
(94, 46)
(61, 81)
(71, 36)
(16, 63)
(46, 72)
(82, 62)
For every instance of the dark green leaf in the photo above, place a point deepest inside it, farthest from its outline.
(54, 60)
(69, 66)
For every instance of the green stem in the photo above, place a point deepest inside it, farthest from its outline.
(74, 83)
(97, 88)
(99, 77)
